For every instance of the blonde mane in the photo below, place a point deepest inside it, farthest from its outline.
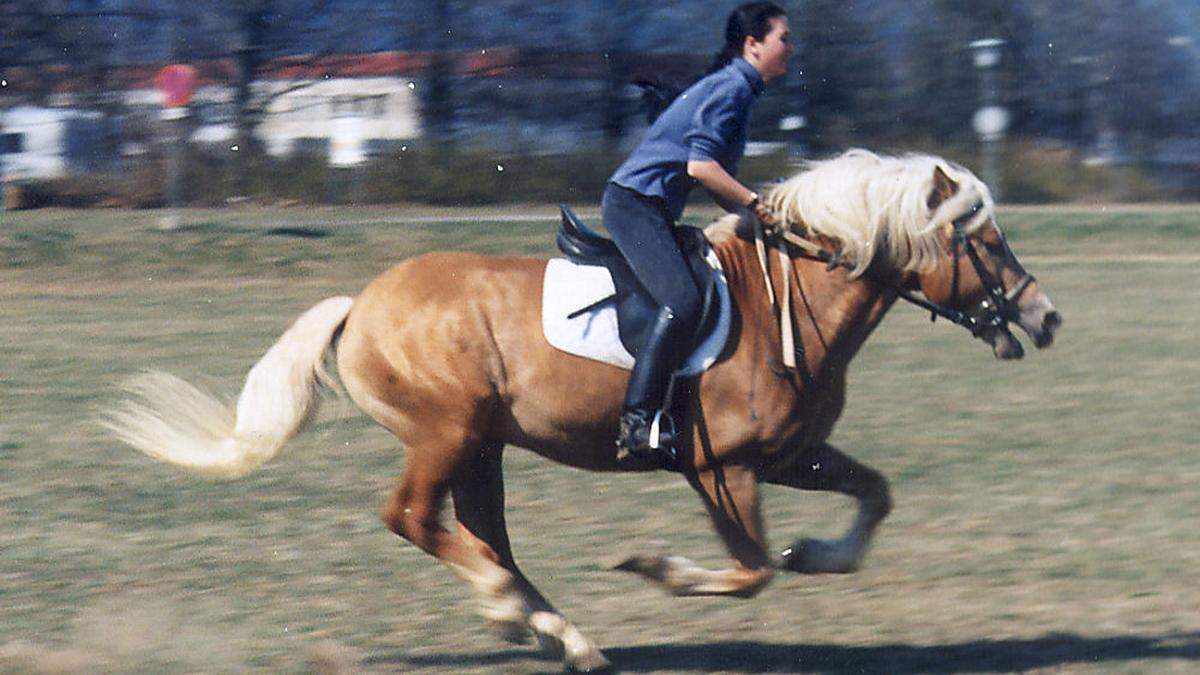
(872, 205)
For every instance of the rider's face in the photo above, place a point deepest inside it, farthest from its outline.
(770, 55)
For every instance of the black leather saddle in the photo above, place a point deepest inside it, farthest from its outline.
(636, 309)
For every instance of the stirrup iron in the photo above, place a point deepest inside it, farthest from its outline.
(661, 419)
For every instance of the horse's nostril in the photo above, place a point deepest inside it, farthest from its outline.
(1051, 321)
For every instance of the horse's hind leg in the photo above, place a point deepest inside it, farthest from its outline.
(414, 511)
(731, 495)
(509, 600)
(479, 509)
(826, 468)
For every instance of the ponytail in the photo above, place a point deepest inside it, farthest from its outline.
(749, 19)
(752, 19)
(723, 58)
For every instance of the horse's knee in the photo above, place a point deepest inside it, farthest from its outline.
(879, 499)
(394, 518)
(410, 519)
(869, 487)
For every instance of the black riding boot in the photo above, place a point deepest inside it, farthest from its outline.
(656, 361)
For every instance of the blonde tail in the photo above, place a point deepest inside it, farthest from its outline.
(173, 421)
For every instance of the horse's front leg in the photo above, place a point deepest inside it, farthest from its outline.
(731, 495)
(824, 467)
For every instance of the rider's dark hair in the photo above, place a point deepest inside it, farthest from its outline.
(750, 19)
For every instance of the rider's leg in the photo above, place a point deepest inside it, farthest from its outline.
(646, 393)
(642, 229)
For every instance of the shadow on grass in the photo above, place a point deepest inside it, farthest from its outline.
(980, 656)
(453, 660)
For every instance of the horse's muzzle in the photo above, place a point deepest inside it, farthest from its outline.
(1004, 344)
(1041, 322)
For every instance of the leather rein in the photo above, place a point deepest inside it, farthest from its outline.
(993, 313)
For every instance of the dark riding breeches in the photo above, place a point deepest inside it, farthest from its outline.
(642, 230)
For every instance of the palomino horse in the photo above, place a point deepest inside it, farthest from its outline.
(446, 351)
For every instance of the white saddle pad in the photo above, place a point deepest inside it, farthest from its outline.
(569, 287)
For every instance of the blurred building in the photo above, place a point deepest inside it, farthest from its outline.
(351, 108)
(39, 142)
(345, 108)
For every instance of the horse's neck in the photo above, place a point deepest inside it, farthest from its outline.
(833, 314)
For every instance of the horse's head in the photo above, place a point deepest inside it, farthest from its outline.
(977, 273)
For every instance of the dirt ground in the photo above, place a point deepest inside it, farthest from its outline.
(1045, 514)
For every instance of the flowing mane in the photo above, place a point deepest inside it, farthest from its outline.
(871, 205)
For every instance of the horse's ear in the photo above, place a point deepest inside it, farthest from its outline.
(943, 188)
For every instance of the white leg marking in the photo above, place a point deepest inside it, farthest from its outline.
(680, 576)
(504, 603)
(559, 637)
(501, 603)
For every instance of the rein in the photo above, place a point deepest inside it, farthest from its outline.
(994, 312)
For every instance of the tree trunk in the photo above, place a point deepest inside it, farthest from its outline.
(248, 112)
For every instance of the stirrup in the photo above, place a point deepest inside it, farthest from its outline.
(642, 436)
(662, 434)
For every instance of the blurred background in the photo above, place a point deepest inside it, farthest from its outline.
(460, 102)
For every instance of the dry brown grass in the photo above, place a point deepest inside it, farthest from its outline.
(1045, 521)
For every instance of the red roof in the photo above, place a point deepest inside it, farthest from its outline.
(493, 62)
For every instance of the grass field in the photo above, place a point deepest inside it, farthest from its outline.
(1047, 512)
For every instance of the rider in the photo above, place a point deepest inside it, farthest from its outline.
(699, 138)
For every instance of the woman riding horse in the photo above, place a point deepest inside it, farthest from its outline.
(446, 351)
(700, 137)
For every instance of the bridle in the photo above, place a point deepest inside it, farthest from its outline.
(993, 313)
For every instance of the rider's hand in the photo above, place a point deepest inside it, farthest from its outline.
(763, 212)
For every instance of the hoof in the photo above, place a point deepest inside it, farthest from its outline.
(818, 556)
(590, 663)
(551, 647)
(560, 640)
(548, 629)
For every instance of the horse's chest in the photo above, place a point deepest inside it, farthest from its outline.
(809, 418)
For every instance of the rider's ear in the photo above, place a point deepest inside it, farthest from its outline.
(943, 188)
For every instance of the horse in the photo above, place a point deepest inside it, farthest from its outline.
(445, 351)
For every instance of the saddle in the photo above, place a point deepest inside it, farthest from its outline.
(635, 307)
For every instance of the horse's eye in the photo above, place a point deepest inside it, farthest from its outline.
(962, 221)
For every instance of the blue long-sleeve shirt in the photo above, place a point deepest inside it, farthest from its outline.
(706, 122)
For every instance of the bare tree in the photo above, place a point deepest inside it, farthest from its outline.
(437, 94)
(615, 24)
(840, 70)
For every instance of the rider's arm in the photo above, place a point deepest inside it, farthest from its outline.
(716, 123)
(725, 189)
